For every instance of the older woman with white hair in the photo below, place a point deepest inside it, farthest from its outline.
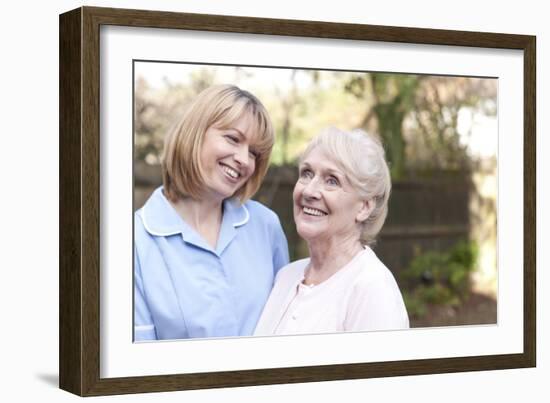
(340, 204)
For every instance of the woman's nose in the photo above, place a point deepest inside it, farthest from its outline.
(312, 189)
(241, 155)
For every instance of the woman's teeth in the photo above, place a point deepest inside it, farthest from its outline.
(315, 212)
(231, 172)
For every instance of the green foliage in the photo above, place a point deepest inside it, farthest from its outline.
(418, 117)
(415, 115)
(439, 278)
(388, 98)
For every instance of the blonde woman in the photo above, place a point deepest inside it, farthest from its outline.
(206, 255)
(340, 204)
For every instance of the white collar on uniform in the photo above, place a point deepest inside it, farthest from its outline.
(160, 219)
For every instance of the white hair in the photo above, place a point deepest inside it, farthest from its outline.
(361, 156)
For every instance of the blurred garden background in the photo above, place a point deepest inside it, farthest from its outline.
(440, 134)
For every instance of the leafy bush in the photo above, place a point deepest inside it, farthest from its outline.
(439, 278)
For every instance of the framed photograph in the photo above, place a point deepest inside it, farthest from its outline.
(455, 113)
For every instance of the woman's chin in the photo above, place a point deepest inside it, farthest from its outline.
(223, 189)
(309, 232)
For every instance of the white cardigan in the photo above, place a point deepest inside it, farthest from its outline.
(362, 295)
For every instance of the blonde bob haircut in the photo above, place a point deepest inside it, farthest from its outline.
(219, 106)
(362, 159)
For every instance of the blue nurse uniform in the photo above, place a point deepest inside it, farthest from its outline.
(184, 288)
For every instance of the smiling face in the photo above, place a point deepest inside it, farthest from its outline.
(326, 206)
(228, 158)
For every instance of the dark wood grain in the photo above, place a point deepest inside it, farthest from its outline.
(315, 29)
(91, 175)
(70, 229)
(530, 200)
(80, 200)
(305, 374)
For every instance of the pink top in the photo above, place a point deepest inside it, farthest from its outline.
(362, 295)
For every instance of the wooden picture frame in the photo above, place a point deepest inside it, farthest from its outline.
(79, 346)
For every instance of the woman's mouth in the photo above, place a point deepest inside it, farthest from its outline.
(230, 172)
(313, 211)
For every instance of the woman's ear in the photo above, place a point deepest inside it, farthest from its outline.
(365, 210)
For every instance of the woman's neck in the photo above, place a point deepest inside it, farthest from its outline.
(205, 216)
(329, 256)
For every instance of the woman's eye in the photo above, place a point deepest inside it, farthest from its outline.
(231, 138)
(333, 181)
(253, 154)
(305, 173)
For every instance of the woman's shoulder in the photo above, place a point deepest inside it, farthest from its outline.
(139, 224)
(260, 213)
(292, 271)
(371, 270)
(155, 218)
(374, 301)
(257, 208)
